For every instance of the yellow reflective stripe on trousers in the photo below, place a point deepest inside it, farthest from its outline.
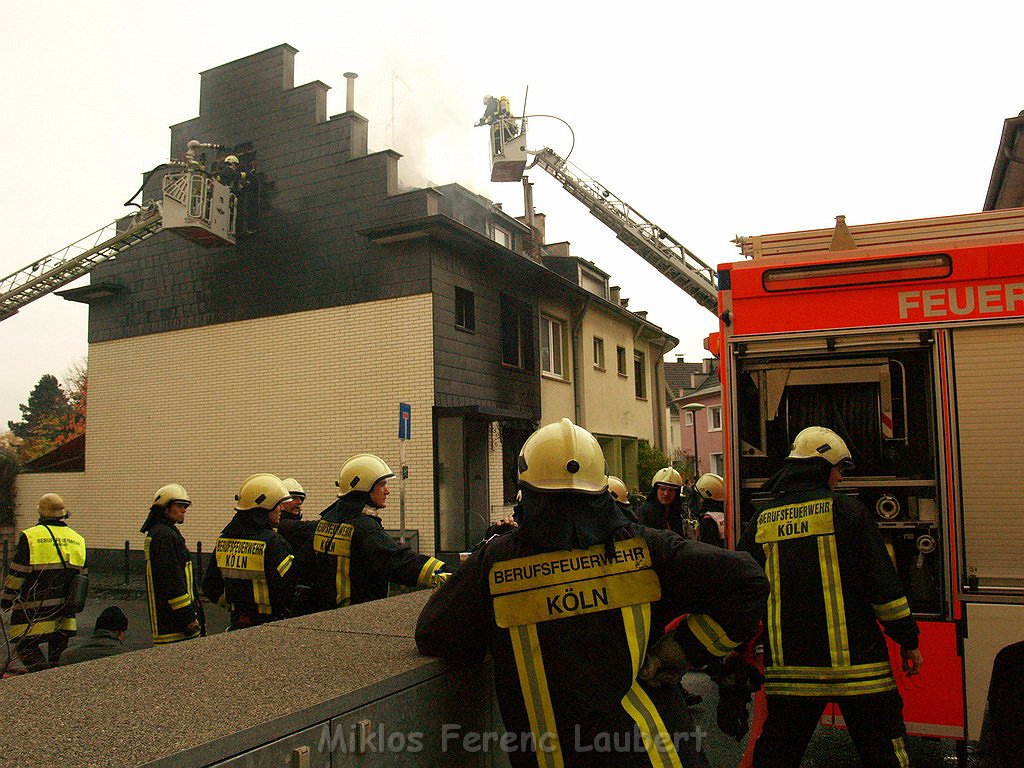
(771, 569)
(901, 752)
(832, 592)
(536, 696)
(636, 620)
(897, 609)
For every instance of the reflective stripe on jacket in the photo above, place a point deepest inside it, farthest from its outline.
(832, 582)
(37, 584)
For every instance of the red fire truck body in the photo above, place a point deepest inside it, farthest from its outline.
(907, 338)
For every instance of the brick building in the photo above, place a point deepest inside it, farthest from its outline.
(292, 350)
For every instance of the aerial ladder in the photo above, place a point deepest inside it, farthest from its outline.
(509, 161)
(193, 204)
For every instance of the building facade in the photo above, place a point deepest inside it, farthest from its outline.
(292, 350)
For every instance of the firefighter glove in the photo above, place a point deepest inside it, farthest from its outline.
(736, 680)
(665, 662)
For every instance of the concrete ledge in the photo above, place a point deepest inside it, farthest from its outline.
(207, 700)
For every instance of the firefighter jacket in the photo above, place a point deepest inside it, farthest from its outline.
(832, 583)
(356, 559)
(569, 630)
(38, 583)
(654, 514)
(169, 583)
(251, 571)
(299, 535)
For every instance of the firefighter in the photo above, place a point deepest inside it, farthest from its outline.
(620, 493)
(355, 558)
(299, 535)
(174, 612)
(39, 586)
(230, 175)
(571, 607)
(251, 567)
(832, 583)
(710, 489)
(664, 507)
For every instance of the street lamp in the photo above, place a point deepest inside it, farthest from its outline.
(692, 409)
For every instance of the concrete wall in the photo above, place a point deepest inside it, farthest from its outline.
(228, 700)
(295, 395)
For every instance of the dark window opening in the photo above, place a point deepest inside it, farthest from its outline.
(465, 310)
(516, 334)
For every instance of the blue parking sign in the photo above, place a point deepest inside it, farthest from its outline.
(404, 421)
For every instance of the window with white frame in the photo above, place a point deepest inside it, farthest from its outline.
(714, 418)
(552, 335)
(620, 360)
(502, 236)
(640, 375)
(599, 353)
(718, 464)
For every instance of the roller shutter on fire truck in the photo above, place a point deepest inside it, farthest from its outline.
(990, 415)
(989, 378)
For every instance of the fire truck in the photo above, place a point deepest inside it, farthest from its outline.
(905, 337)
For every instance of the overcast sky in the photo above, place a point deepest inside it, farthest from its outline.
(712, 119)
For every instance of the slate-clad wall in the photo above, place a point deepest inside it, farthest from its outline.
(319, 187)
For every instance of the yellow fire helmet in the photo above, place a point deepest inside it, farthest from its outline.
(171, 493)
(261, 491)
(618, 489)
(361, 473)
(52, 506)
(711, 486)
(562, 457)
(294, 488)
(667, 476)
(231, 159)
(820, 443)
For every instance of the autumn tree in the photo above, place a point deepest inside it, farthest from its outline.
(76, 387)
(44, 419)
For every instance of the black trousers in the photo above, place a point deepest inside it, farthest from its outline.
(875, 723)
(31, 654)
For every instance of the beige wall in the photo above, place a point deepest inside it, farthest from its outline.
(610, 404)
(557, 399)
(293, 395)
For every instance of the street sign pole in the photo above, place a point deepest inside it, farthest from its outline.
(404, 434)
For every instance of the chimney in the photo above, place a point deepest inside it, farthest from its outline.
(623, 303)
(350, 91)
(693, 381)
(641, 313)
(705, 365)
(679, 358)
(614, 292)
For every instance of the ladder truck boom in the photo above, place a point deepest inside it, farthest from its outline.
(656, 246)
(194, 205)
(509, 156)
(71, 262)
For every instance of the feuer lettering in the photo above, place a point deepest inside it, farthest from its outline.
(963, 300)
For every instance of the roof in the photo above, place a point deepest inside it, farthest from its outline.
(67, 457)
